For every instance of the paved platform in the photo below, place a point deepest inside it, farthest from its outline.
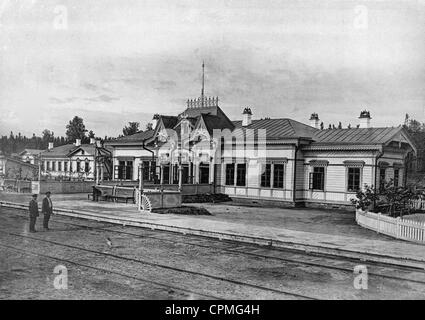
(304, 229)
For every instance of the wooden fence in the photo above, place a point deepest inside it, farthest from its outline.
(399, 228)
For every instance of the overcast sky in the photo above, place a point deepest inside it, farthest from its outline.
(111, 62)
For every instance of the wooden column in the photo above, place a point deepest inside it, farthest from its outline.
(190, 173)
(180, 176)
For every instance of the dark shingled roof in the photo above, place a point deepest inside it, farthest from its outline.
(169, 121)
(137, 137)
(196, 112)
(216, 122)
(280, 128)
(356, 135)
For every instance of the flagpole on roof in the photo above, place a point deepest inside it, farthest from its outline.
(203, 83)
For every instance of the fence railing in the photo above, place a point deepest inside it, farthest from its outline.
(399, 228)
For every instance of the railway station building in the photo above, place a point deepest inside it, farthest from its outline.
(281, 160)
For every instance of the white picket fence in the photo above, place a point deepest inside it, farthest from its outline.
(395, 227)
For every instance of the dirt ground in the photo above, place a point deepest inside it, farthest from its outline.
(332, 222)
(145, 264)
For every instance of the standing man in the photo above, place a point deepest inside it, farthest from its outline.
(47, 210)
(33, 208)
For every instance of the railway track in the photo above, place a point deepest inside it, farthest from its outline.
(385, 268)
(62, 260)
(201, 275)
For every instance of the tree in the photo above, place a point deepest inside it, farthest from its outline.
(76, 129)
(46, 135)
(132, 128)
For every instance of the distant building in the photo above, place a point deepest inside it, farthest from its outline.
(13, 168)
(30, 155)
(76, 161)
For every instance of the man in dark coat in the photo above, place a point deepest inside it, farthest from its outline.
(47, 210)
(33, 209)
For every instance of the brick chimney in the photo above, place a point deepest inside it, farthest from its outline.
(246, 117)
(50, 147)
(365, 119)
(314, 120)
(77, 142)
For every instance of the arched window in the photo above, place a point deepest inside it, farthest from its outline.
(86, 165)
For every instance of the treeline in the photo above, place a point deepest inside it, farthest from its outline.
(15, 143)
(75, 129)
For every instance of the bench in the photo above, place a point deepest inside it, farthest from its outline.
(101, 192)
(123, 193)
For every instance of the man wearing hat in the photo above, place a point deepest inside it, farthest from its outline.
(47, 210)
(33, 208)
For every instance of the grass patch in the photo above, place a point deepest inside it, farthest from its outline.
(185, 210)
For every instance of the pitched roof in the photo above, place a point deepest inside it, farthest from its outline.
(23, 163)
(137, 137)
(169, 121)
(61, 151)
(216, 122)
(279, 128)
(356, 135)
(196, 112)
(31, 151)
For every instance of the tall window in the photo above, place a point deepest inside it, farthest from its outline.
(166, 174)
(230, 174)
(53, 165)
(185, 173)
(396, 177)
(175, 173)
(60, 166)
(204, 173)
(266, 175)
(86, 167)
(278, 175)
(241, 174)
(317, 178)
(353, 179)
(65, 166)
(382, 178)
(124, 170)
(78, 169)
(146, 170)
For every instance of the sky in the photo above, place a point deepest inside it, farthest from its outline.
(115, 61)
